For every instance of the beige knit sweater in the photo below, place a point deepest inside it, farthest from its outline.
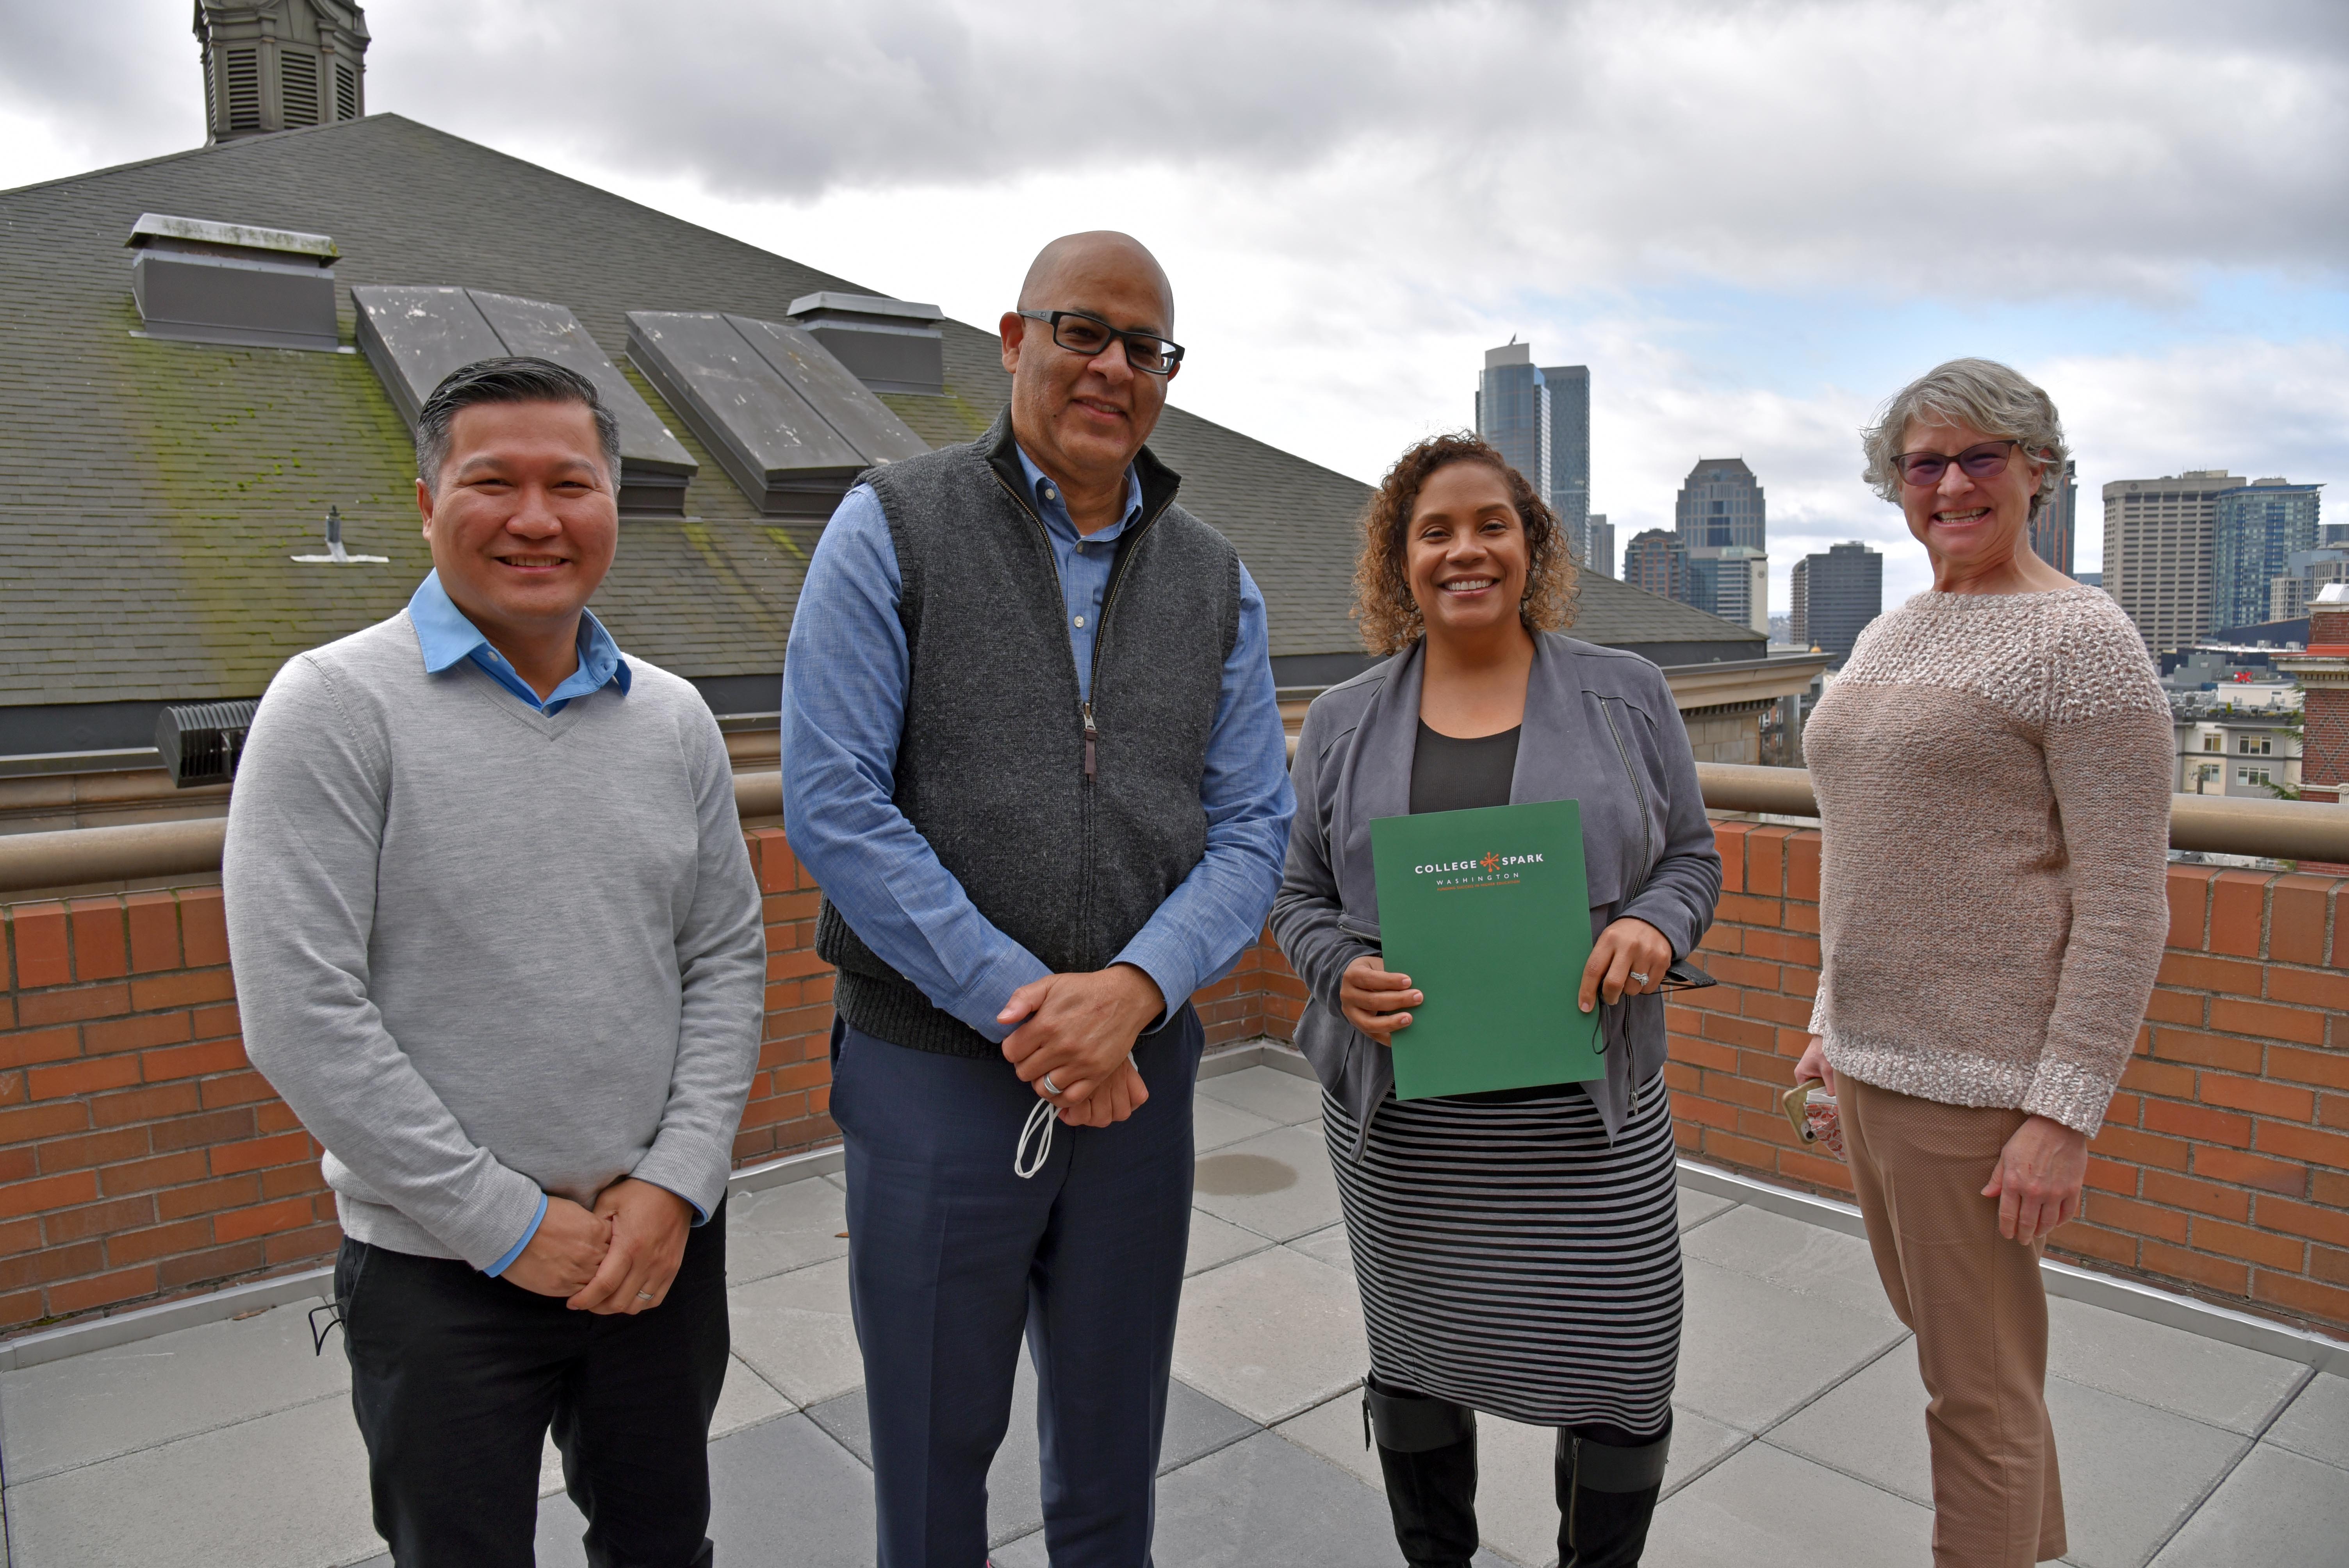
(1994, 776)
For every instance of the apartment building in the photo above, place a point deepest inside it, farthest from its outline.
(2158, 552)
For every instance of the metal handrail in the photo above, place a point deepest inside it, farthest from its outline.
(77, 857)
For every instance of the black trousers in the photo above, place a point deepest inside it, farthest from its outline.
(456, 1378)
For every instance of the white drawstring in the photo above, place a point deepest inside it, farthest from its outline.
(1042, 1117)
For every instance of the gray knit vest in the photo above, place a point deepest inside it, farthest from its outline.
(1067, 840)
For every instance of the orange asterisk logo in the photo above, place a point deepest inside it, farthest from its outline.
(1490, 862)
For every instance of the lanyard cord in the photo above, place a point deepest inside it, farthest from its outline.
(1041, 1116)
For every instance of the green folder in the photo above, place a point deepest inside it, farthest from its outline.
(1488, 912)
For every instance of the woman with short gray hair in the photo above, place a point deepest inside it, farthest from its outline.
(1992, 769)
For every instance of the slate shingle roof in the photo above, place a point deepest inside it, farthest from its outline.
(152, 491)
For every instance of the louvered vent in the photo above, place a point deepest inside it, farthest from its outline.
(297, 79)
(347, 91)
(243, 71)
(202, 743)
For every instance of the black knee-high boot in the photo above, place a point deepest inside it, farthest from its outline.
(1607, 1492)
(1427, 1451)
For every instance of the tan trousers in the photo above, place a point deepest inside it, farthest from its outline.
(1974, 1300)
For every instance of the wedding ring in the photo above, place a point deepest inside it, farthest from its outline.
(644, 1295)
(1642, 979)
(1050, 1087)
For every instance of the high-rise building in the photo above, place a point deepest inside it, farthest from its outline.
(1655, 560)
(1569, 454)
(2052, 526)
(1722, 527)
(280, 64)
(1722, 504)
(2157, 535)
(1799, 607)
(1840, 593)
(2254, 530)
(1512, 413)
(1730, 581)
(1602, 545)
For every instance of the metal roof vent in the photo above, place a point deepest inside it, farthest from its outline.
(787, 421)
(336, 554)
(204, 282)
(201, 742)
(891, 345)
(415, 336)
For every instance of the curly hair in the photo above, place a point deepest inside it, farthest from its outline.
(1390, 616)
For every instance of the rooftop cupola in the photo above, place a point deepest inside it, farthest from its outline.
(280, 64)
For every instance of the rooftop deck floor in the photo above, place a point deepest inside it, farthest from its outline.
(1799, 1431)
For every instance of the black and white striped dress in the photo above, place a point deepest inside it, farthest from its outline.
(1510, 1259)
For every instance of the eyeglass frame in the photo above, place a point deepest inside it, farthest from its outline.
(1052, 318)
(1901, 461)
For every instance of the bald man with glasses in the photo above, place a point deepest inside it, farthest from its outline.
(1032, 753)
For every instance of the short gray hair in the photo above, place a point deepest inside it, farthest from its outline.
(1983, 393)
(523, 379)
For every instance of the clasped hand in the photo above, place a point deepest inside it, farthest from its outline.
(618, 1257)
(1628, 960)
(1079, 1029)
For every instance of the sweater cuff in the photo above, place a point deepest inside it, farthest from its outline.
(696, 1175)
(2066, 1092)
(504, 1263)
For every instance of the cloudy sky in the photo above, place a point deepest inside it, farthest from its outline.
(1752, 221)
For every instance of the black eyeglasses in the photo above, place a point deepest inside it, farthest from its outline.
(1090, 335)
(1986, 461)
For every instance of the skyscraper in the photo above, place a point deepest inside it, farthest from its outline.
(1602, 545)
(2254, 530)
(1798, 604)
(1722, 525)
(1838, 593)
(1655, 560)
(2053, 529)
(1569, 455)
(2158, 536)
(1512, 412)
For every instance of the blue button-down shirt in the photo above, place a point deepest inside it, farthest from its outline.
(447, 636)
(843, 706)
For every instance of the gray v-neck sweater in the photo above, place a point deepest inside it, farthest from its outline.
(484, 953)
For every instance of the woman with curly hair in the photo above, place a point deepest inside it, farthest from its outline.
(1517, 1251)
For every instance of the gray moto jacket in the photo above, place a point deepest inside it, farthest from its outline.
(1600, 729)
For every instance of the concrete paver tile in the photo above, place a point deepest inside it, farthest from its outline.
(794, 1329)
(1258, 1502)
(1752, 1351)
(1793, 1256)
(285, 1490)
(2278, 1510)
(2129, 1470)
(1278, 1183)
(778, 1229)
(1267, 1092)
(107, 1402)
(2317, 1422)
(1328, 1246)
(2208, 1380)
(782, 1494)
(1765, 1507)
(1270, 1334)
(1215, 1241)
(1214, 1124)
(1697, 1207)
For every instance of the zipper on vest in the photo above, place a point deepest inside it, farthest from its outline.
(1091, 735)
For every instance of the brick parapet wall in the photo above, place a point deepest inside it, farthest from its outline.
(141, 1157)
(2222, 1169)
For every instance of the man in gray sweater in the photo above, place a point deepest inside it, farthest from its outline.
(498, 945)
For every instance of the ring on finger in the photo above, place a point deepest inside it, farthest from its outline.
(644, 1295)
(1642, 979)
(1052, 1088)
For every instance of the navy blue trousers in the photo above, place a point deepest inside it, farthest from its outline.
(951, 1257)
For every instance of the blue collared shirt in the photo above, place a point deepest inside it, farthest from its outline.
(446, 635)
(845, 675)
